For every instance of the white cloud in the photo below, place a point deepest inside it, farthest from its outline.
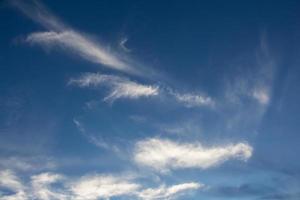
(102, 187)
(163, 155)
(119, 87)
(78, 44)
(41, 186)
(9, 180)
(193, 100)
(125, 88)
(67, 39)
(261, 95)
(171, 192)
(51, 186)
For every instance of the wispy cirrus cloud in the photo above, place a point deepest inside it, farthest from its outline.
(192, 99)
(256, 84)
(122, 44)
(170, 192)
(249, 89)
(73, 42)
(67, 39)
(125, 88)
(62, 36)
(119, 87)
(97, 141)
(163, 155)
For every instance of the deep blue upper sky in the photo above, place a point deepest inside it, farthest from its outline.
(149, 100)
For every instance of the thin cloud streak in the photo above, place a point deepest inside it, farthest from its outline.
(171, 192)
(97, 141)
(164, 155)
(192, 99)
(119, 87)
(125, 88)
(76, 43)
(71, 41)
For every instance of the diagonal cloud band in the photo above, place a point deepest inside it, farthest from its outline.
(67, 39)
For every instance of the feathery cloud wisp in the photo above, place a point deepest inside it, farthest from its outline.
(124, 88)
(192, 100)
(67, 39)
(119, 87)
(171, 192)
(163, 155)
(76, 43)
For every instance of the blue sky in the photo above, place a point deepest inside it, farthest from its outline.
(149, 100)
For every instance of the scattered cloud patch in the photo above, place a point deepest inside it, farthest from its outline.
(261, 95)
(9, 180)
(50, 186)
(42, 186)
(164, 155)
